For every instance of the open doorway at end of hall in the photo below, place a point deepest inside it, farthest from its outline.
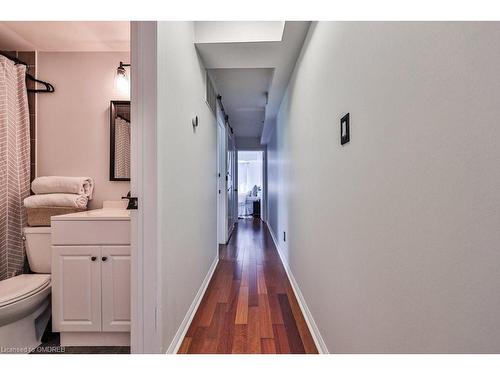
(250, 183)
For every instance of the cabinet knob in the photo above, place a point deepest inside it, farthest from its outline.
(104, 259)
(93, 259)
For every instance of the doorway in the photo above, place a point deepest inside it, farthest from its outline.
(250, 184)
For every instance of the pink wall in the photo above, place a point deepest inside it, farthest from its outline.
(73, 122)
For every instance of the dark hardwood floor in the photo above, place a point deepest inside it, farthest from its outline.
(249, 305)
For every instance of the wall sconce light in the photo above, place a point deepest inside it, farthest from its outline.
(122, 83)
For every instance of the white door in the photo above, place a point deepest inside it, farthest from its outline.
(77, 306)
(115, 276)
(222, 212)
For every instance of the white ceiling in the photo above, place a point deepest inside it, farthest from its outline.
(236, 31)
(65, 36)
(240, 64)
(244, 96)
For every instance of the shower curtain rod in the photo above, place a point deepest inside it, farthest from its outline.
(48, 86)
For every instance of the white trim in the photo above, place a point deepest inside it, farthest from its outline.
(94, 338)
(145, 329)
(311, 324)
(186, 322)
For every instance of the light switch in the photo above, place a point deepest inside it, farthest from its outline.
(345, 135)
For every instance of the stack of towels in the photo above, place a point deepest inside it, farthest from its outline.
(58, 191)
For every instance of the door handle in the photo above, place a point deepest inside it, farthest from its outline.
(93, 259)
(133, 202)
(104, 259)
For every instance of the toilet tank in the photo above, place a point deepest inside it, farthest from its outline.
(38, 248)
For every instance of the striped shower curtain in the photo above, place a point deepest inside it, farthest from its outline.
(14, 165)
(122, 148)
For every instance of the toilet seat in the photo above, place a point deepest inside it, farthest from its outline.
(20, 287)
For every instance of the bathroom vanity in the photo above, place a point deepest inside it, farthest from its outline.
(91, 277)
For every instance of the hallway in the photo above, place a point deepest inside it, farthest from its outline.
(249, 305)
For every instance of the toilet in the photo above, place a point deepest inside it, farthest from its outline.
(25, 299)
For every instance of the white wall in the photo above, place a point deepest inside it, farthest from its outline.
(187, 179)
(394, 237)
(73, 122)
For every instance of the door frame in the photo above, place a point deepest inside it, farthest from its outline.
(263, 203)
(222, 209)
(145, 335)
(232, 210)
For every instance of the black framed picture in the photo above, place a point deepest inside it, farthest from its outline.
(345, 134)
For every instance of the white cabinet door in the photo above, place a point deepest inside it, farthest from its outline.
(115, 271)
(76, 288)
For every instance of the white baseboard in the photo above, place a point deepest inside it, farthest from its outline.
(313, 328)
(186, 322)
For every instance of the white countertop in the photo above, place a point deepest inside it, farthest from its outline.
(100, 214)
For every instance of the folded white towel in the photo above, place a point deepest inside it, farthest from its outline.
(56, 200)
(59, 184)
